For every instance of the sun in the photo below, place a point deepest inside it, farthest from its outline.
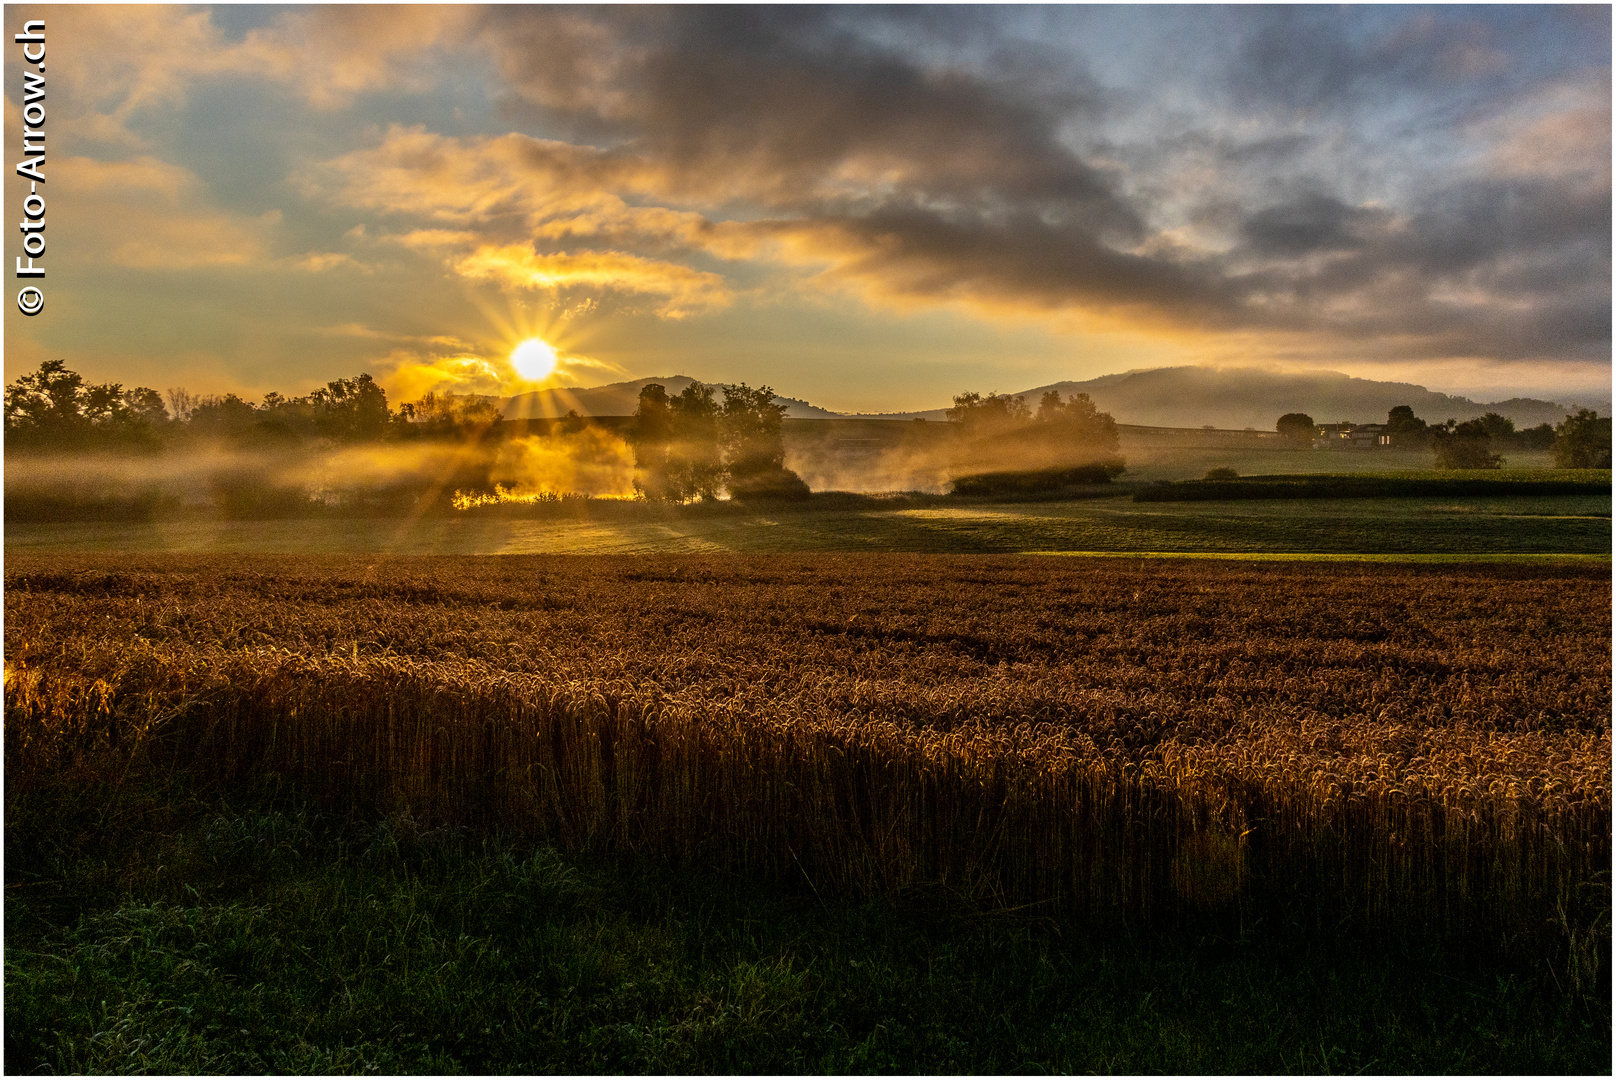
(534, 359)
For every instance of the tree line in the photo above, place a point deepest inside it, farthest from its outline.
(1075, 421)
(54, 408)
(1581, 441)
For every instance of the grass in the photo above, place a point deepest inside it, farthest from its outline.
(1150, 460)
(189, 938)
(1383, 485)
(1453, 525)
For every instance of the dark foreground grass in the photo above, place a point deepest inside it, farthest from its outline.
(161, 933)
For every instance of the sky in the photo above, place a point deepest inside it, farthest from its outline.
(868, 208)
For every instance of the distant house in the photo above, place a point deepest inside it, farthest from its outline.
(1352, 437)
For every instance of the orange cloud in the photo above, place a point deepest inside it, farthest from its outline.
(408, 375)
(515, 266)
(548, 189)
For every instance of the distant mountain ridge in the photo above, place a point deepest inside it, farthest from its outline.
(1157, 397)
(621, 399)
(1256, 397)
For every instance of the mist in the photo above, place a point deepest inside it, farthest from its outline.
(217, 479)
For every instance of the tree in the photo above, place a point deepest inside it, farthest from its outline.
(651, 435)
(695, 461)
(55, 407)
(223, 417)
(445, 416)
(1582, 441)
(1407, 430)
(1538, 438)
(46, 401)
(994, 414)
(1077, 421)
(1499, 430)
(145, 406)
(352, 410)
(754, 449)
(1296, 427)
(1466, 446)
(999, 436)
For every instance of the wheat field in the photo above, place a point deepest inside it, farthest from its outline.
(1423, 750)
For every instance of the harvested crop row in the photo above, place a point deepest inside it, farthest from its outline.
(1421, 748)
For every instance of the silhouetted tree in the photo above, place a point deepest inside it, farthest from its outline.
(1296, 427)
(1465, 446)
(651, 435)
(55, 408)
(1499, 429)
(754, 449)
(996, 413)
(999, 436)
(1582, 441)
(1407, 430)
(1537, 438)
(447, 416)
(225, 416)
(1077, 421)
(695, 460)
(352, 410)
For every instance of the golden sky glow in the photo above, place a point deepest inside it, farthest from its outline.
(866, 208)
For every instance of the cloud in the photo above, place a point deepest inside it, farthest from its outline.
(681, 290)
(1432, 184)
(151, 215)
(358, 330)
(408, 374)
(1562, 131)
(317, 262)
(782, 106)
(125, 59)
(809, 137)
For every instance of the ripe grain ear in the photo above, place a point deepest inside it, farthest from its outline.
(1240, 742)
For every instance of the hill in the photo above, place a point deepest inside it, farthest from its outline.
(1183, 397)
(1256, 397)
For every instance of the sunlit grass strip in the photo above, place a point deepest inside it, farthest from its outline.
(504, 496)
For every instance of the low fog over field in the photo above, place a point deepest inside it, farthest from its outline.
(77, 450)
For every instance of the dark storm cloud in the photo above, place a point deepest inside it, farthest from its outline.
(801, 108)
(854, 134)
(1315, 222)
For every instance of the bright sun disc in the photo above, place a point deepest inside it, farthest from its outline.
(533, 359)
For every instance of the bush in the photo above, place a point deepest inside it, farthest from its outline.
(770, 484)
(1459, 452)
(1030, 481)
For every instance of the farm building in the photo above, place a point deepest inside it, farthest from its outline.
(1352, 437)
